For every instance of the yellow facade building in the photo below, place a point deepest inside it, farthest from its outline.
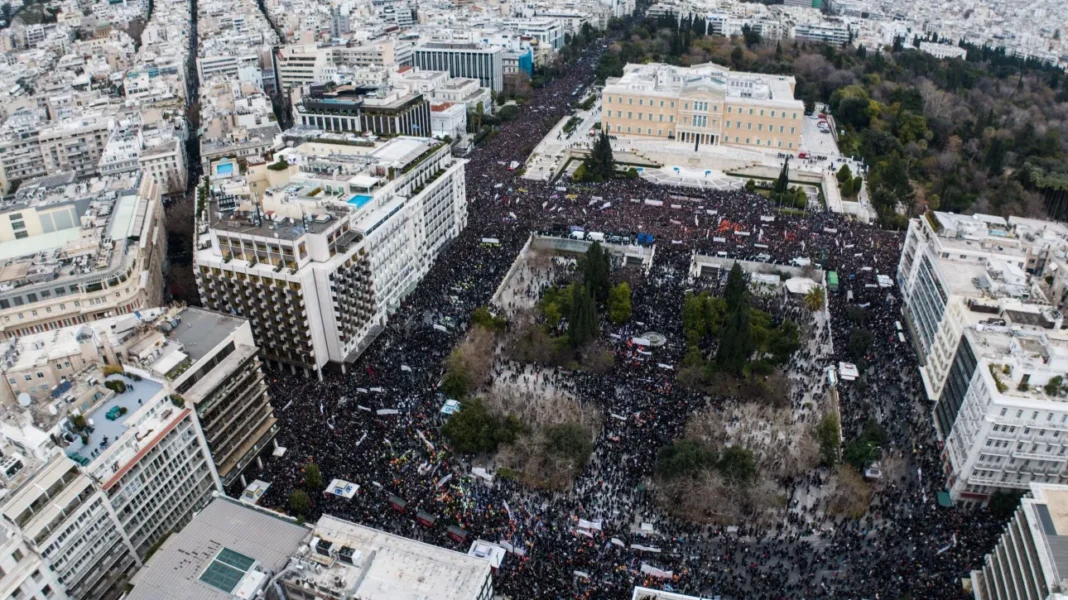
(703, 105)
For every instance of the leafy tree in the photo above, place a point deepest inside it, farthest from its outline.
(859, 342)
(844, 174)
(828, 434)
(299, 503)
(313, 479)
(508, 113)
(737, 464)
(783, 341)
(783, 181)
(846, 188)
(1004, 503)
(482, 316)
(570, 441)
(684, 457)
(583, 324)
(751, 36)
(750, 186)
(737, 58)
(456, 382)
(864, 449)
(619, 303)
(473, 430)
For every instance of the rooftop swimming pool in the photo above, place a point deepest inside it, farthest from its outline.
(224, 169)
(360, 200)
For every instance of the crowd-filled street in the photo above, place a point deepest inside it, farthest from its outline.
(907, 546)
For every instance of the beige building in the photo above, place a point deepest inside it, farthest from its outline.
(703, 105)
(74, 252)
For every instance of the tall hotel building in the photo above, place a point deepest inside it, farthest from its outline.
(703, 105)
(347, 229)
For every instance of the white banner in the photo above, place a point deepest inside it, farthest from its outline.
(655, 572)
(583, 523)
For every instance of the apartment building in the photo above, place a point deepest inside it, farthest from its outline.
(319, 264)
(135, 438)
(703, 105)
(210, 359)
(224, 382)
(165, 163)
(351, 108)
(832, 33)
(301, 65)
(78, 251)
(463, 60)
(23, 574)
(1002, 415)
(943, 50)
(20, 148)
(75, 144)
(992, 348)
(61, 516)
(389, 53)
(348, 560)
(1027, 563)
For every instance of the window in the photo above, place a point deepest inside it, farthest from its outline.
(40, 375)
(17, 554)
(608, 99)
(27, 378)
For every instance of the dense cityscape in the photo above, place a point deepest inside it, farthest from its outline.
(596, 299)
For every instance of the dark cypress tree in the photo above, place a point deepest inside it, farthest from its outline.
(597, 272)
(583, 323)
(736, 293)
(736, 343)
(783, 182)
(600, 164)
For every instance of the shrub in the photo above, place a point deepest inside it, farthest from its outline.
(299, 503)
(684, 457)
(313, 478)
(113, 370)
(116, 386)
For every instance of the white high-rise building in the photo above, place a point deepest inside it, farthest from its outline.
(1029, 560)
(347, 229)
(993, 356)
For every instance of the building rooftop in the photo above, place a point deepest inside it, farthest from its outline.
(85, 229)
(108, 419)
(227, 545)
(374, 565)
(670, 80)
(200, 331)
(1046, 513)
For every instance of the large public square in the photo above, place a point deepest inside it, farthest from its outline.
(904, 545)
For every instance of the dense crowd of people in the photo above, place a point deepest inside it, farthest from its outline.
(907, 545)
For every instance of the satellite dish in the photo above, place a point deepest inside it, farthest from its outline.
(25, 400)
